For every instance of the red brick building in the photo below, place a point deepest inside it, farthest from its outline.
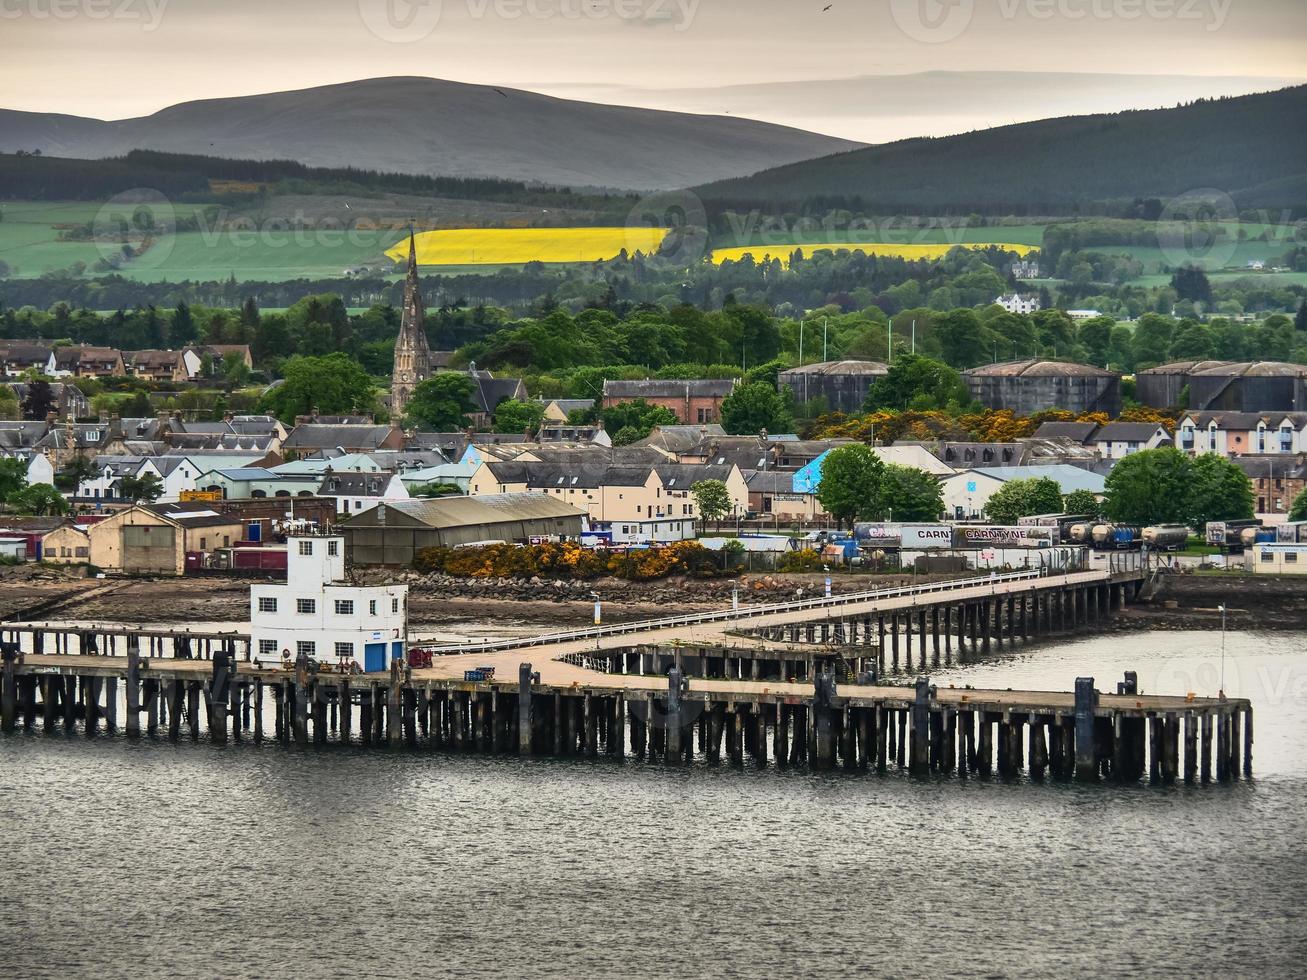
(695, 402)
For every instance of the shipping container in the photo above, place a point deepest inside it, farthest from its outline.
(1292, 532)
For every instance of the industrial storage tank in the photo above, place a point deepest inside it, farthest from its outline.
(1082, 533)
(1253, 386)
(844, 384)
(1166, 537)
(1162, 386)
(1032, 386)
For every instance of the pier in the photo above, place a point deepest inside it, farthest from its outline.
(787, 684)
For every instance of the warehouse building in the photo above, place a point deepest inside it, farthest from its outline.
(1031, 386)
(392, 533)
(843, 384)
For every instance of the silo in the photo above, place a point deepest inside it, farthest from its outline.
(844, 384)
(1032, 386)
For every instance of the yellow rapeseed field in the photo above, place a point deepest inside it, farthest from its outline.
(783, 252)
(513, 246)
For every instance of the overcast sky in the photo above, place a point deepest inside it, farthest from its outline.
(118, 58)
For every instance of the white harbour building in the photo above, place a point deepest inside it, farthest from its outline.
(319, 614)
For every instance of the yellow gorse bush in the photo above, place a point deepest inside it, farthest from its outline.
(568, 561)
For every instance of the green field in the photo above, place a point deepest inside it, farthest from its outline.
(30, 246)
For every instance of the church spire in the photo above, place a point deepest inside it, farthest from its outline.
(412, 354)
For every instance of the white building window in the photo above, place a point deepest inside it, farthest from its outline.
(306, 547)
(372, 607)
(333, 548)
(267, 604)
(306, 606)
(344, 607)
(394, 605)
(344, 649)
(305, 648)
(267, 648)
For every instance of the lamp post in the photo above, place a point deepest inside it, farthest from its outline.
(1222, 608)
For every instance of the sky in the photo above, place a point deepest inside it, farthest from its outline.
(871, 70)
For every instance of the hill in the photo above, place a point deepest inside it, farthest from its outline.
(430, 126)
(1252, 147)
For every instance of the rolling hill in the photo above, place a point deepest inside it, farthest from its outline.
(430, 126)
(1253, 148)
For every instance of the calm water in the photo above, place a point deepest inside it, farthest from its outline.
(152, 859)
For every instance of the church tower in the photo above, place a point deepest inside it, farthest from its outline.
(412, 355)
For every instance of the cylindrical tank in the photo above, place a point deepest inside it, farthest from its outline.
(1081, 533)
(1102, 535)
(1166, 536)
(1250, 536)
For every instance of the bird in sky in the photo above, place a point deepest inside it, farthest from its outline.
(827, 7)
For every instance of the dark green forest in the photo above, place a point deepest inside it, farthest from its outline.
(1253, 148)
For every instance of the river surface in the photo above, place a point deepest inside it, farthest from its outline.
(148, 859)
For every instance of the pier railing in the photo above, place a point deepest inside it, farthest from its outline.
(743, 612)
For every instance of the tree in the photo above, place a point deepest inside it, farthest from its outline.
(39, 401)
(1152, 339)
(1300, 319)
(963, 338)
(919, 383)
(1021, 498)
(633, 420)
(851, 487)
(750, 408)
(1298, 512)
(140, 489)
(13, 477)
(512, 415)
(78, 470)
(1082, 502)
(912, 494)
(234, 368)
(39, 500)
(436, 490)
(1190, 282)
(713, 500)
(331, 385)
(442, 403)
(1149, 487)
(1218, 491)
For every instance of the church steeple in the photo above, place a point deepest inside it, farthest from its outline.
(412, 353)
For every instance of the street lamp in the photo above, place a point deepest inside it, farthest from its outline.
(1222, 608)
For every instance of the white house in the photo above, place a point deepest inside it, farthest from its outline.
(966, 493)
(39, 467)
(355, 492)
(176, 473)
(1118, 439)
(1016, 303)
(318, 614)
